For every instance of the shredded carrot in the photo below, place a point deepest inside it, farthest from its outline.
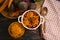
(4, 5)
(16, 30)
(1, 1)
(31, 19)
(10, 2)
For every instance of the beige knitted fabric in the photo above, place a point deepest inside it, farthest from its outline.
(52, 20)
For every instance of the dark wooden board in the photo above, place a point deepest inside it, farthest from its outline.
(29, 35)
(4, 35)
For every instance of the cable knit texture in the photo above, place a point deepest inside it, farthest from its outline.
(52, 20)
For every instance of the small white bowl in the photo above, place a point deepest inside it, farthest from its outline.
(21, 17)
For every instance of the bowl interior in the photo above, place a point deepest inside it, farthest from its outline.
(26, 17)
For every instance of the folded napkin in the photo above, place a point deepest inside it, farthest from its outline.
(52, 20)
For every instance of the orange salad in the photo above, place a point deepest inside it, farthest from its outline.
(31, 19)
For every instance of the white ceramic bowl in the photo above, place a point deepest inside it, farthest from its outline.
(21, 17)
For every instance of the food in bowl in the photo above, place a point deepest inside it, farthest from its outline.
(31, 19)
(16, 30)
